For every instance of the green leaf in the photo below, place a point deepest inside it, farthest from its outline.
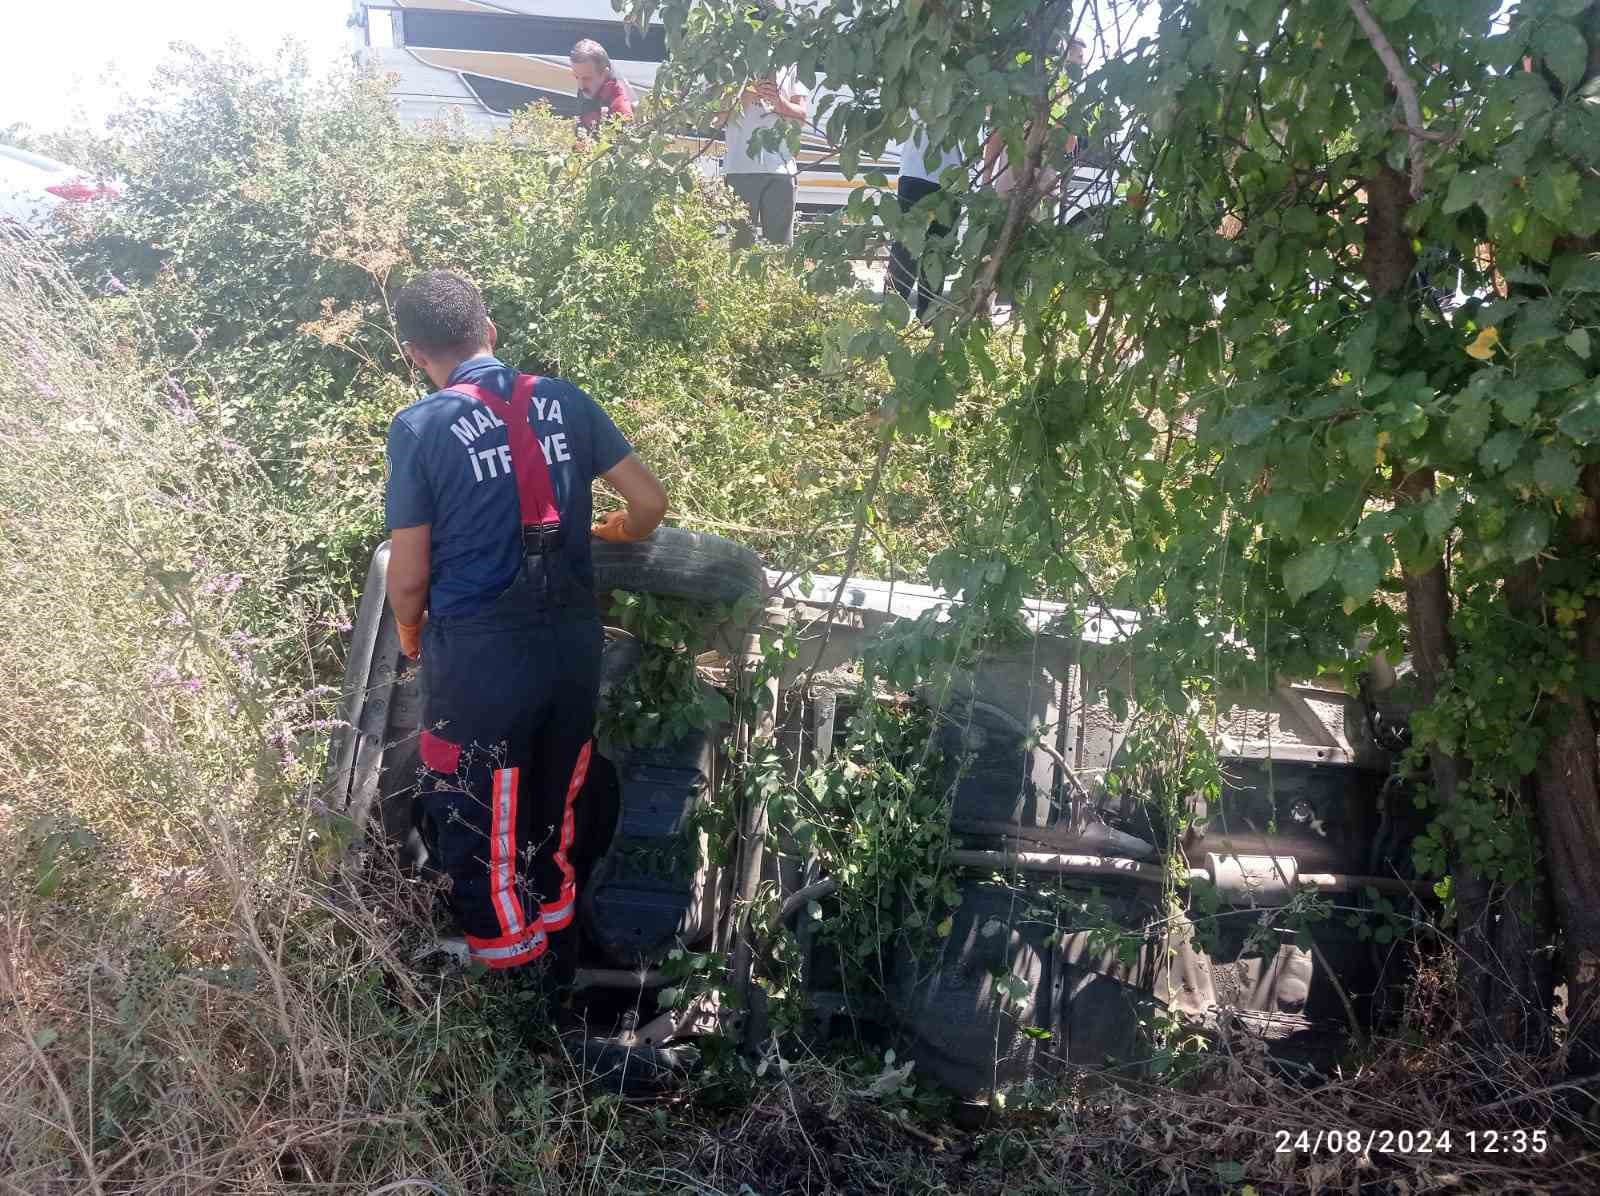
(1499, 452)
(1359, 573)
(1439, 514)
(1578, 341)
(1358, 350)
(714, 707)
(1281, 512)
(1361, 443)
(1581, 421)
(1309, 571)
(52, 867)
(1564, 50)
(1575, 272)
(1266, 257)
(43, 1038)
(1577, 134)
(1553, 190)
(1248, 424)
(1536, 326)
(1552, 376)
(1469, 423)
(1527, 534)
(1462, 194)
(1517, 402)
(1556, 471)
(896, 310)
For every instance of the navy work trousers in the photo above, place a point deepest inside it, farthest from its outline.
(508, 711)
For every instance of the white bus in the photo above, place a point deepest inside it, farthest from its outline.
(481, 60)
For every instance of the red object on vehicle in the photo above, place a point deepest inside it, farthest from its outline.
(82, 191)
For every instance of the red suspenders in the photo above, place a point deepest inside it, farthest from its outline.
(535, 495)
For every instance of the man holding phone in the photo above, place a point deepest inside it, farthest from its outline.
(765, 178)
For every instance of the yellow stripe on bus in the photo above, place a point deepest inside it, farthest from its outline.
(509, 68)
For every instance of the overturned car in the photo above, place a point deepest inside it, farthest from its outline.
(1221, 900)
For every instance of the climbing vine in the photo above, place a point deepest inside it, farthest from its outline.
(662, 698)
(877, 820)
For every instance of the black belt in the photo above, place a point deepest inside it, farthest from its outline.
(540, 538)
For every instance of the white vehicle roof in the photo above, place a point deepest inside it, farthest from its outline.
(23, 179)
(20, 163)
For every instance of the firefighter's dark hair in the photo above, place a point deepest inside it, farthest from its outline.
(441, 312)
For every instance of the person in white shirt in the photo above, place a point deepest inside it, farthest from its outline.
(922, 166)
(1059, 148)
(765, 178)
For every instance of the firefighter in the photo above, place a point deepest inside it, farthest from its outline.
(489, 510)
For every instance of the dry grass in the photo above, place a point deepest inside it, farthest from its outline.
(816, 1129)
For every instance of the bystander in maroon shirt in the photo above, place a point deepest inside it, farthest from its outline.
(612, 99)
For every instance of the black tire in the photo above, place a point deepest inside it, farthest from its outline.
(675, 563)
(638, 1070)
(1087, 1001)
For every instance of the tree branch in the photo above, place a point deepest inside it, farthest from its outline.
(867, 497)
(1402, 85)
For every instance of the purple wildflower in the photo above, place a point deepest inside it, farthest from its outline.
(223, 584)
(178, 399)
(115, 285)
(192, 684)
(33, 353)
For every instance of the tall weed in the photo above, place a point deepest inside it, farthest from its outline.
(185, 1003)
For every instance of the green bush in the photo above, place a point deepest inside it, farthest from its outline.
(267, 220)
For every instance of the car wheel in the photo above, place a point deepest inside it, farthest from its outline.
(675, 563)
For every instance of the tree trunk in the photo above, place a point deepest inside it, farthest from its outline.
(1499, 985)
(1503, 979)
(1569, 820)
(1569, 817)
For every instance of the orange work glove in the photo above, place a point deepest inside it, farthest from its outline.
(411, 636)
(614, 527)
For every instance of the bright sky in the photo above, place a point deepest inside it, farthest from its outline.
(63, 62)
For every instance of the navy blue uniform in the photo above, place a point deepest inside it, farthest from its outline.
(448, 466)
(500, 465)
